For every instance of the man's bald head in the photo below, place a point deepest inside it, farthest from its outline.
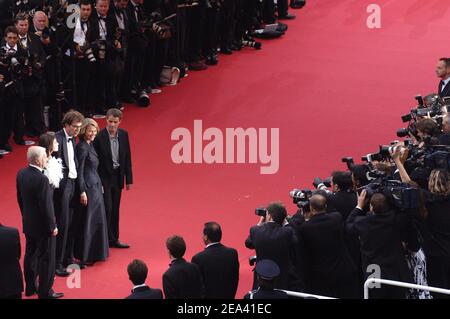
(318, 203)
(40, 20)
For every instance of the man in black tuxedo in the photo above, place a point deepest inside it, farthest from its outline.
(444, 139)
(327, 266)
(113, 148)
(383, 235)
(137, 273)
(38, 217)
(11, 282)
(273, 241)
(218, 264)
(182, 280)
(64, 195)
(443, 72)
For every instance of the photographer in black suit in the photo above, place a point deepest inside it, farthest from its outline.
(137, 273)
(11, 282)
(114, 153)
(327, 266)
(383, 234)
(33, 83)
(182, 280)
(39, 227)
(443, 72)
(218, 264)
(273, 241)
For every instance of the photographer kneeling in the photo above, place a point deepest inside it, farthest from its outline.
(436, 222)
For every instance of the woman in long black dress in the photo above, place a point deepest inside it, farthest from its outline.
(92, 244)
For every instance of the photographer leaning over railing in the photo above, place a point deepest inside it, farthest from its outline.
(436, 220)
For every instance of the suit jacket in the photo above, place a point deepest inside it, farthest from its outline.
(111, 27)
(102, 145)
(183, 281)
(219, 266)
(381, 237)
(437, 226)
(145, 292)
(272, 241)
(34, 195)
(342, 202)
(63, 152)
(136, 39)
(87, 170)
(10, 272)
(445, 92)
(327, 266)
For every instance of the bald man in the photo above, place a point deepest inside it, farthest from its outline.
(327, 267)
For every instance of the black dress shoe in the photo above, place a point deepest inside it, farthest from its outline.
(7, 147)
(226, 51)
(19, 141)
(55, 295)
(61, 272)
(30, 293)
(211, 60)
(118, 244)
(287, 17)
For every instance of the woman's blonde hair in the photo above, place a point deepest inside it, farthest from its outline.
(87, 122)
(439, 182)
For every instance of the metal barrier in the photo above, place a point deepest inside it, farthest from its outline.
(400, 284)
(304, 295)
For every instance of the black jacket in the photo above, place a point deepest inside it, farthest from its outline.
(183, 281)
(381, 237)
(327, 267)
(219, 266)
(10, 272)
(342, 202)
(87, 170)
(145, 292)
(445, 92)
(272, 241)
(102, 145)
(34, 196)
(437, 231)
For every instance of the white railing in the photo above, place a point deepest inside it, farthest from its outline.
(303, 295)
(400, 284)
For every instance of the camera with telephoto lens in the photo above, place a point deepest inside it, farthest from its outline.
(88, 52)
(142, 99)
(301, 197)
(252, 44)
(322, 184)
(17, 66)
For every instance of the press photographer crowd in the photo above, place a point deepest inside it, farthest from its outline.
(94, 55)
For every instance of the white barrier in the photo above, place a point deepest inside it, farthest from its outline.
(304, 295)
(400, 284)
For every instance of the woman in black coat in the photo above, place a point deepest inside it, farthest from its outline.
(92, 244)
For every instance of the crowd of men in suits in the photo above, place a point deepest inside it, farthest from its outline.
(92, 55)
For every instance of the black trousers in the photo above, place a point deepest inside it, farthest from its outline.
(112, 195)
(227, 23)
(34, 115)
(195, 32)
(438, 273)
(134, 70)
(84, 92)
(64, 212)
(13, 118)
(211, 35)
(39, 262)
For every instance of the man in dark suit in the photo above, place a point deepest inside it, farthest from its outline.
(273, 241)
(383, 233)
(443, 72)
(64, 195)
(39, 227)
(114, 154)
(182, 280)
(137, 273)
(218, 264)
(11, 282)
(33, 84)
(327, 267)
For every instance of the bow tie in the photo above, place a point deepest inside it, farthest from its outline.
(102, 18)
(442, 83)
(70, 139)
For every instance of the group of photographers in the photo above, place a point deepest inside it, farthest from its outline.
(93, 55)
(387, 218)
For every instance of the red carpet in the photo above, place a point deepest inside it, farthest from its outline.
(332, 86)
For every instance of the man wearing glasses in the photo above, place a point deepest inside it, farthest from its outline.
(64, 195)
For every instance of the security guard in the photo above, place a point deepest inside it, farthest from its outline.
(267, 271)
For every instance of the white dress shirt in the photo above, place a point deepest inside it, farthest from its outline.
(71, 154)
